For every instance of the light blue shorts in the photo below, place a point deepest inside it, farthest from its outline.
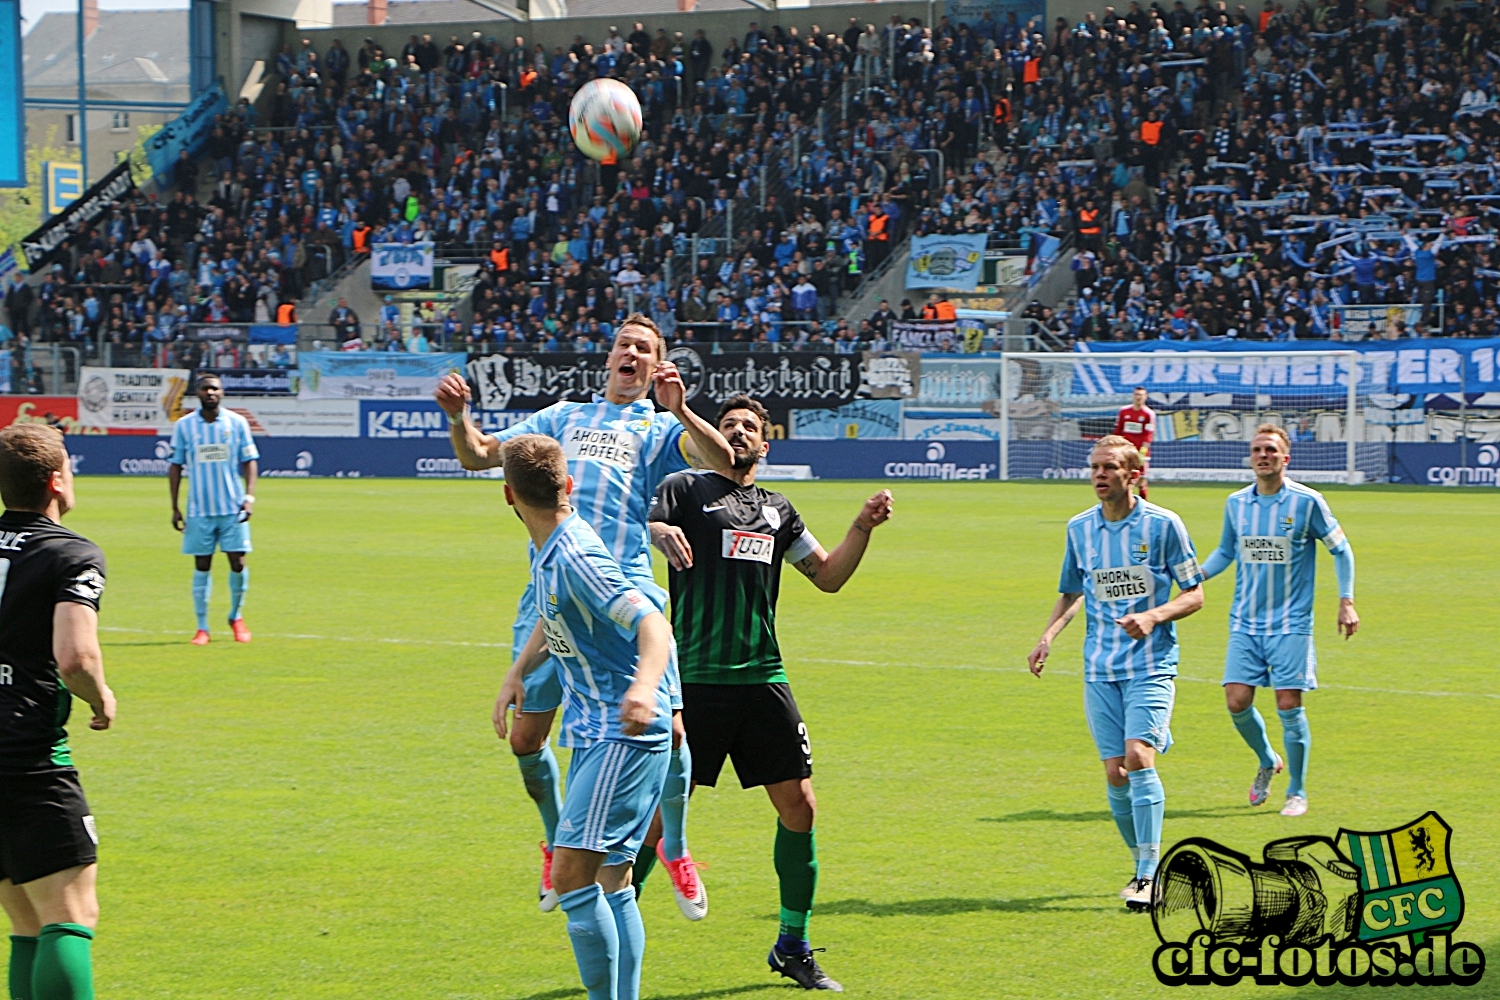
(1137, 709)
(613, 790)
(201, 534)
(544, 684)
(1283, 662)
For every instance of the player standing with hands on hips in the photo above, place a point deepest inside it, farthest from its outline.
(50, 584)
(1269, 529)
(1136, 423)
(1121, 560)
(214, 446)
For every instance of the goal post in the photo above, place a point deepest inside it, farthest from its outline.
(1053, 406)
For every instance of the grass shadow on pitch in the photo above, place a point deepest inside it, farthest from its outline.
(727, 991)
(951, 905)
(1103, 815)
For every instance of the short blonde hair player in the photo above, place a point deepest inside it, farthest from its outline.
(1269, 531)
(1121, 559)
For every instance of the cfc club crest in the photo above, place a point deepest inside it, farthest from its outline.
(1363, 908)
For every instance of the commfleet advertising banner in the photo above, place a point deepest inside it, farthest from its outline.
(401, 265)
(1384, 366)
(946, 262)
(373, 374)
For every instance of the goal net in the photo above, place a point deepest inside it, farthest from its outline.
(1207, 406)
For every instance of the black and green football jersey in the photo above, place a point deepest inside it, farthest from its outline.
(724, 607)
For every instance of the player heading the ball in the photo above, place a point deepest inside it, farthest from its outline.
(611, 645)
(1120, 562)
(1269, 530)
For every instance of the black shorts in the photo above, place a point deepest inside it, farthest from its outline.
(756, 725)
(45, 825)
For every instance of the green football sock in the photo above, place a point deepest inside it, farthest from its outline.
(644, 862)
(797, 868)
(22, 953)
(63, 969)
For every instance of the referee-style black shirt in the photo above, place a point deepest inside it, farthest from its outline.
(42, 564)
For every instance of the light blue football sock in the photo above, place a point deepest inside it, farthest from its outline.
(238, 584)
(1252, 729)
(1119, 808)
(596, 943)
(203, 589)
(1297, 738)
(632, 935)
(1148, 804)
(674, 803)
(543, 780)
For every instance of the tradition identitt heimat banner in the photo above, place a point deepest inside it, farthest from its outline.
(1396, 366)
(131, 399)
(373, 374)
(946, 262)
(401, 265)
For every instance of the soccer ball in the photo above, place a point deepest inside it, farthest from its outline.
(605, 119)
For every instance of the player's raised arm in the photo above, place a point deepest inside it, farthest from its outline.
(473, 448)
(80, 662)
(708, 446)
(829, 571)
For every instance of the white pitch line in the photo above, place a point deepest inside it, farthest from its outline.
(1181, 677)
(805, 659)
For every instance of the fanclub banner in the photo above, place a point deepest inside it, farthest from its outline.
(138, 400)
(187, 132)
(805, 380)
(927, 335)
(1383, 366)
(40, 247)
(946, 262)
(254, 381)
(401, 266)
(890, 374)
(373, 374)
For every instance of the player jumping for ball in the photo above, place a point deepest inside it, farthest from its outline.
(1136, 423)
(619, 449)
(610, 646)
(215, 448)
(1269, 530)
(725, 539)
(50, 584)
(1120, 562)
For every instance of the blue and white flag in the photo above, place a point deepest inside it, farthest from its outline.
(401, 265)
(373, 374)
(952, 262)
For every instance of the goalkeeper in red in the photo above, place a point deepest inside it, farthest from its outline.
(725, 539)
(1136, 423)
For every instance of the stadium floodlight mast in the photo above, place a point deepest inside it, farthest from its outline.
(1349, 361)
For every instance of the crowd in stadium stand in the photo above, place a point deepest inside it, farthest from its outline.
(1221, 173)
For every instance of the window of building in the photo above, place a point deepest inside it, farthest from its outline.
(119, 121)
(73, 129)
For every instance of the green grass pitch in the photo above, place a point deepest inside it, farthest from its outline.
(327, 813)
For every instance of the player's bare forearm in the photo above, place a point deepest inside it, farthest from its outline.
(1187, 602)
(473, 448)
(174, 482)
(705, 441)
(533, 654)
(80, 662)
(1063, 612)
(638, 709)
(829, 571)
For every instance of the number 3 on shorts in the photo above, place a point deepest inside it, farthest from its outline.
(806, 743)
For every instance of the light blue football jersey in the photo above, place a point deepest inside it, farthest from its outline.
(617, 456)
(1122, 567)
(590, 614)
(1271, 538)
(210, 453)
